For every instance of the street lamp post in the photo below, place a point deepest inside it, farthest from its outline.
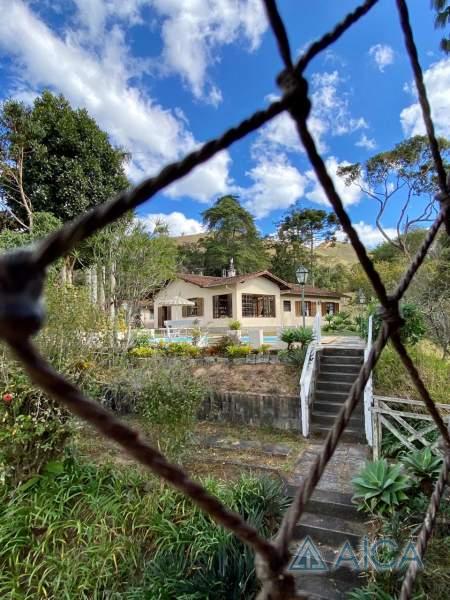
(302, 276)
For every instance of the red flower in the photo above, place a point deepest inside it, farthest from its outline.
(7, 398)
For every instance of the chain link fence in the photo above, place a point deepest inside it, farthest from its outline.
(22, 275)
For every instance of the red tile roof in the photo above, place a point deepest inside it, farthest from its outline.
(207, 281)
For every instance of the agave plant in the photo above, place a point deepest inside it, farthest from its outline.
(425, 466)
(380, 487)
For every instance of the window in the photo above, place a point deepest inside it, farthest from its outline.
(222, 306)
(193, 311)
(287, 305)
(331, 308)
(254, 305)
(310, 308)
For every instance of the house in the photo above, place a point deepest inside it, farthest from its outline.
(256, 300)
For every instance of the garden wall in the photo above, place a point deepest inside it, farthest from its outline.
(263, 410)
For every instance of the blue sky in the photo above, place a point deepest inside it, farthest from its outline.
(162, 76)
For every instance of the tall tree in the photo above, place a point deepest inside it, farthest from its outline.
(298, 234)
(55, 159)
(402, 181)
(231, 233)
(442, 19)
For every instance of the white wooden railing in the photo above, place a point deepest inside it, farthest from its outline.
(368, 390)
(307, 376)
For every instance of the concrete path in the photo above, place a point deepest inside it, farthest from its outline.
(347, 461)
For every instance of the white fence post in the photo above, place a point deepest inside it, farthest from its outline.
(306, 378)
(368, 390)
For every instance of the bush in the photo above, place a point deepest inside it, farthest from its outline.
(380, 488)
(142, 352)
(234, 325)
(180, 349)
(238, 351)
(264, 349)
(294, 356)
(424, 466)
(299, 335)
(169, 397)
(76, 531)
(391, 378)
(340, 322)
(196, 559)
(412, 331)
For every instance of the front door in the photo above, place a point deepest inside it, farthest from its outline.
(164, 314)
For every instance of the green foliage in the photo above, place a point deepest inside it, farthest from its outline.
(340, 322)
(142, 352)
(411, 332)
(69, 163)
(196, 559)
(391, 378)
(238, 351)
(44, 223)
(424, 466)
(297, 335)
(442, 20)
(234, 325)
(264, 349)
(231, 233)
(380, 488)
(294, 356)
(76, 531)
(370, 592)
(169, 397)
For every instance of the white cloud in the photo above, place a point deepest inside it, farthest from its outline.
(383, 55)
(330, 115)
(277, 184)
(369, 234)
(193, 29)
(177, 223)
(349, 195)
(100, 82)
(437, 82)
(366, 142)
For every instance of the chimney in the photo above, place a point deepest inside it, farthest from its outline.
(231, 269)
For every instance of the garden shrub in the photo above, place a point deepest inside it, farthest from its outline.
(294, 356)
(380, 488)
(234, 325)
(199, 560)
(412, 331)
(238, 351)
(340, 322)
(142, 352)
(299, 335)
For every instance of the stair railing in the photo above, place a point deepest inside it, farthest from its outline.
(307, 376)
(368, 390)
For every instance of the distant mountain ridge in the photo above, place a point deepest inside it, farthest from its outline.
(336, 252)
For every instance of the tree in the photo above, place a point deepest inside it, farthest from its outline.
(231, 233)
(405, 173)
(442, 19)
(297, 237)
(55, 159)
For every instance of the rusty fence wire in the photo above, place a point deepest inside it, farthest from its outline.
(22, 275)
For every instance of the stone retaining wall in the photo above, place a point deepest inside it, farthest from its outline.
(246, 408)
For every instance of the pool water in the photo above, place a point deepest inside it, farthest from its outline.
(268, 339)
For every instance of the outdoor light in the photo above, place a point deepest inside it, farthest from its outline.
(361, 296)
(302, 275)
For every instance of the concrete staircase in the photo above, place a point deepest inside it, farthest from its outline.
(330, 521)
(337, 370)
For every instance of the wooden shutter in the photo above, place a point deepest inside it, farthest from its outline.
(336, 308)
(298, 308)
(313, 308)
(324, 308)
(200, 307)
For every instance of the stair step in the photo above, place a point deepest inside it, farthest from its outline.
(328, 420)
(333, 408)
(339, 359)
(333, 386)
(337, 376)
(327, 502)
(331, 396)
(331, 367)
(326, 529)
(317, 587)
(336, 351)
(350, 434)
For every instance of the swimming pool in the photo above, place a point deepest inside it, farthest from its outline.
(268, 339)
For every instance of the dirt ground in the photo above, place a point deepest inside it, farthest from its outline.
(216, 449)
(258, 378)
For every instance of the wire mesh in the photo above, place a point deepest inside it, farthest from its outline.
(22, 275)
